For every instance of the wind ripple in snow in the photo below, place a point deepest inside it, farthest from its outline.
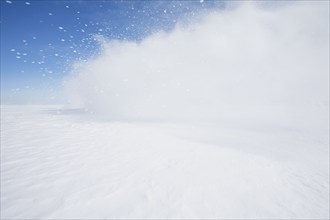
(58, 166)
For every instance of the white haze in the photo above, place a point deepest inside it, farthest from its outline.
(245, 63)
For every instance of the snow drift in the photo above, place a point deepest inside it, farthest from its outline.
(243, 63)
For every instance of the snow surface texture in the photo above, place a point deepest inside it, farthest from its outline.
(225, 117)
(60, 164)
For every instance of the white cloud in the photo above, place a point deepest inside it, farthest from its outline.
(243, 63)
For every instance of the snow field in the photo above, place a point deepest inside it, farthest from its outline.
(56, 165)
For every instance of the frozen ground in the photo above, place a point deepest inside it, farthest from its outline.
(59, 164)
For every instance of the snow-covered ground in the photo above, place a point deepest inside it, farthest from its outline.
(59, 163)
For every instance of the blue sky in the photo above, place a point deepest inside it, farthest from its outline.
(41, 39)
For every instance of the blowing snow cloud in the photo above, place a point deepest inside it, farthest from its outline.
(247, 62)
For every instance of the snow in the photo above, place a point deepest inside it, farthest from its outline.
(226, 117)
(239, 63)
(60, 163)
